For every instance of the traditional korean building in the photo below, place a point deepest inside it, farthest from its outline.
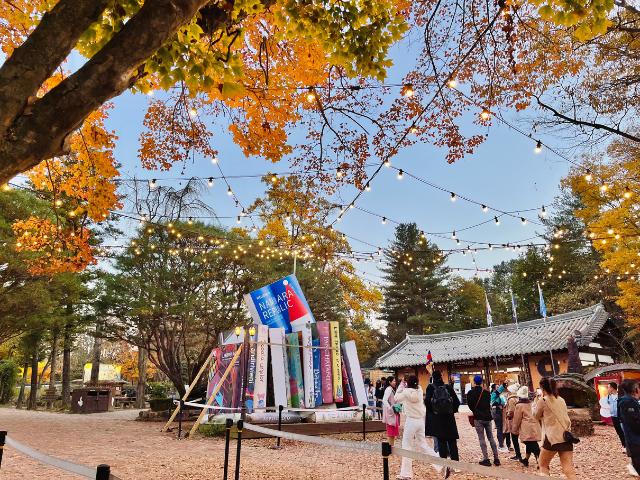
(522, 352)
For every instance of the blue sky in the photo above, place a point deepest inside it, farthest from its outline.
(504, 173)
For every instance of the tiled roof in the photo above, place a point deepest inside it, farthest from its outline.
(611, 368)
(532, 337)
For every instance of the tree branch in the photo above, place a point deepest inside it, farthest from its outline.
(585, 123)
(24, 72)
(42, 133)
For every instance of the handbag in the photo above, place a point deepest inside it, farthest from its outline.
(397, 407)
(472, 417)
(567, 435)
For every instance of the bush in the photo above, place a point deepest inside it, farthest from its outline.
(8, 378)
(212, 429)
(158, 389)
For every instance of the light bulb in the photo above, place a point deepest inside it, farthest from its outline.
(413, 130)
(210, 182)
(193, 113)
(339, 172)
(384, 220)
(485, 114)
(497, 220)
(523, 220)
(274, 178)
(538, 148)
(453, 235)
(153, 184)
(453, 197)
(452, 83)
(367, 187)
(238, 220)
(485, 209)
(588, 177)
(400, 174)
(214, 159)
(311, 95)
(491, 247)
(407, 90)
(627, 193)
(387, 163)
(543, 212)
(229, 191)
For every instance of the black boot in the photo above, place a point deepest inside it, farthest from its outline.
(524, 461)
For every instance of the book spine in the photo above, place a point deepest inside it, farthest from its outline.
(279, 367)
(325, 362)
(307, 366)
(350, 355)
(338, 393)
(262, 359)
(295, 371)
(317, 374)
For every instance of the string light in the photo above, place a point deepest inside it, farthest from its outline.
(485, 114)
(400, 174)
(274, 178)
(384, 220)
(413, 130)
(339, 172)
(311, 95)
(238, 220)
(627, 192)
(453, 197)
(407, 90)
(453, 235)
(543, 212)
(588, 176)
(229, 191)
(367, 187)
(193, 113)
(485, 209)
(153, 184)
(452, 83)
(604, 188)
(497, 220)
(210, 182)
(538, 148)
(523, 220)
(387, 163)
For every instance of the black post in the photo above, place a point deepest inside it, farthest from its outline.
(181, 409)
(386, 451)
(103, 472)
(364, 421)
(280, 408)
(240, 424)
(227, 440)
(3, 436)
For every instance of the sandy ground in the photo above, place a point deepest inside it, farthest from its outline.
(137, 450)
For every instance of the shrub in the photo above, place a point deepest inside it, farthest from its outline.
(8, 378)
(212, 429)
(158, 389)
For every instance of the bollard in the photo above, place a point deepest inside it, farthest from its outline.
(386, 451)
(180, 410)
(227, 440)
(280, 408)
(3, 436)
(103, 472)
(364, 422)
(239, 445)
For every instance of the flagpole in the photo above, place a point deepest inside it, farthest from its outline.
(543, 312)
(525, 371)
(490, 322)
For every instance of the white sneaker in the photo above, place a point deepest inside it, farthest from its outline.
(632, 471)
(503, 449)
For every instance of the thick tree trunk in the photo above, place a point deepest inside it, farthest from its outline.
(95, 358)
(142, 377)
(66, 365)
(40, 131)
(33, 394)
(51, 394)
(23, 382)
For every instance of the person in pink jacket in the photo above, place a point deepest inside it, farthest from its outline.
(390, 417)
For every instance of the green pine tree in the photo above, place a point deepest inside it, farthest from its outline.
(415, 293)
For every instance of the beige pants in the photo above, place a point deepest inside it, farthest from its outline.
(566, 463)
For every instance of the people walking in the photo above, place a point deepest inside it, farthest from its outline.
(409, 394)
(526, 427)
(497, 406)
(551, 411)
(390, 416)
(512, 400)
(629, 414)
(478, 401)
(612, 401)
(442, 404)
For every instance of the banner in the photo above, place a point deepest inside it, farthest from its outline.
(280, 305)
(262, 358)
(336, 364)
(230, 391)
(279, 370)
(324, 336)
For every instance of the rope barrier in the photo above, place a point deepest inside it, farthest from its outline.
(376, 449)
(59, 463)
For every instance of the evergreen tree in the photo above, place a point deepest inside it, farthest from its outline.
(415, 293)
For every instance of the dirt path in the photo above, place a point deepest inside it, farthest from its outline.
(138, 451)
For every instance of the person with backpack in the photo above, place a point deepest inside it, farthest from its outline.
(442, 404)
(498, 403)
(478, 400)
(508, 411)
(525, 427)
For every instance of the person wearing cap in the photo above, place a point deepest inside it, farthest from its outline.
(508, 411)
(526, 427)
(479, 401)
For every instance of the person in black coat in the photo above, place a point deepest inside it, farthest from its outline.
(441, 422)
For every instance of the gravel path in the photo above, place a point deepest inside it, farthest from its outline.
(138, 451)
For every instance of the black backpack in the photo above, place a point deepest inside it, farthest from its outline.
(441, 402)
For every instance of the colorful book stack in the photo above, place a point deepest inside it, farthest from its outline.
(310, 367)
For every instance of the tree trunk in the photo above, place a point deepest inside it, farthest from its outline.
(51, 394)
(23, 382)
(33, 394)
(95, 357)
(66, 366)
(142, 377)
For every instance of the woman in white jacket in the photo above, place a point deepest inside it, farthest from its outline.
(410, 395)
